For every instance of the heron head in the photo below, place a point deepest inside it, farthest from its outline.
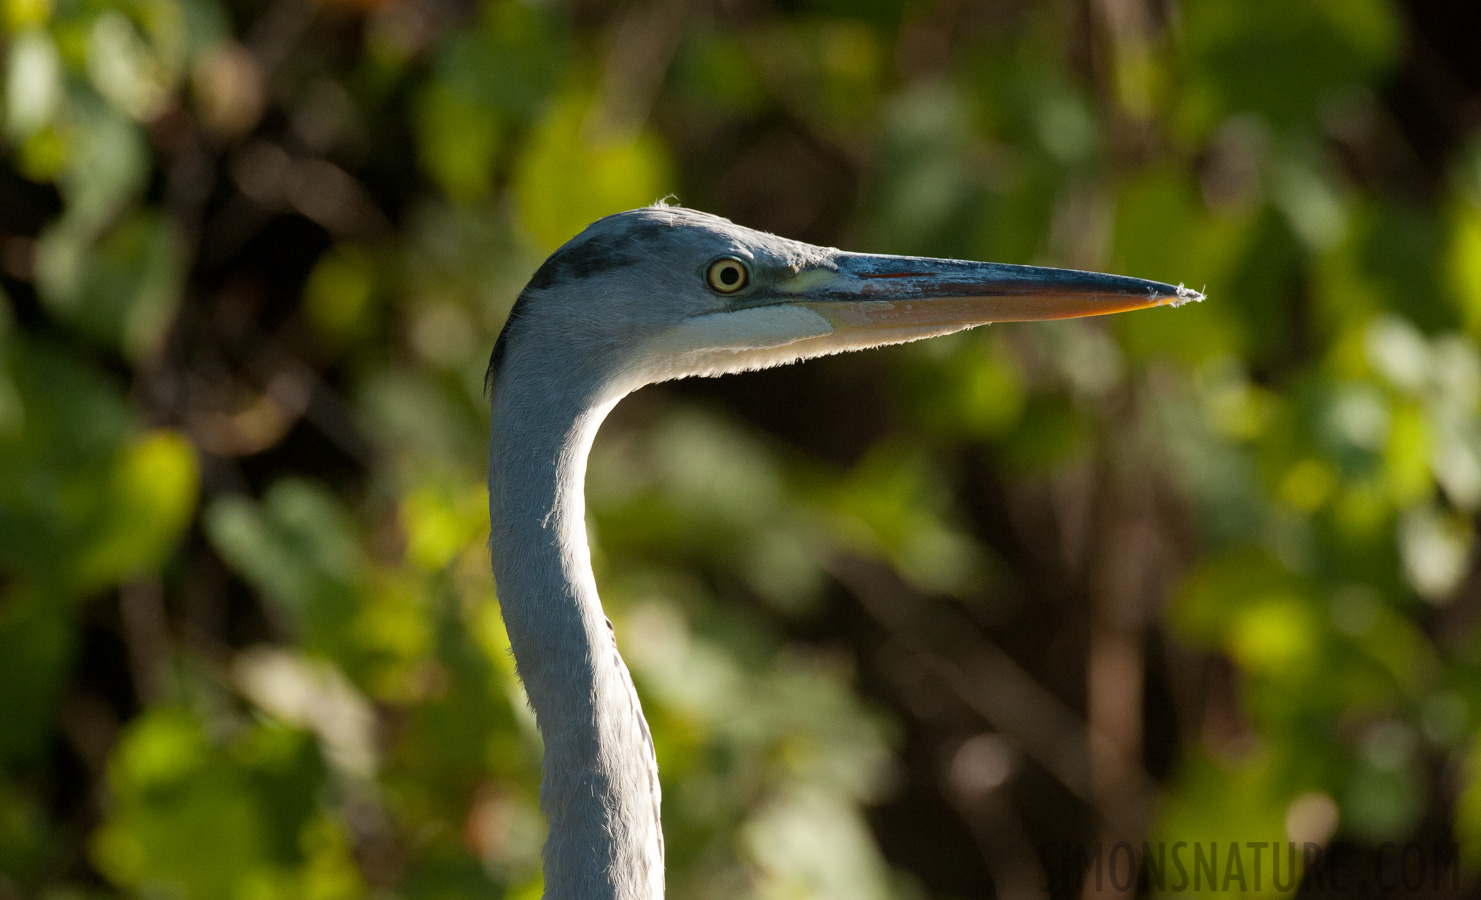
(665, 292)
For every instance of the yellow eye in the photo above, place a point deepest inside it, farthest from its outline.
(728, 275)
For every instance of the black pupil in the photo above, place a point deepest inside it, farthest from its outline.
(729, 275)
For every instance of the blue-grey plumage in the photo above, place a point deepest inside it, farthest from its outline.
(645, 296)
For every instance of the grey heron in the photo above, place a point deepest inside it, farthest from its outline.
(646, 296)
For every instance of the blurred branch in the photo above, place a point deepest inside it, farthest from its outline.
(992, 684)
(146, 634)
(296, 388)
(1000, 833)
(640, 48)
(277, 32)
(1122, 568)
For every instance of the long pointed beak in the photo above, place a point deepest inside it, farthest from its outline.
(869, 292)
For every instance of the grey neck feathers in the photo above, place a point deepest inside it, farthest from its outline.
(600, 789)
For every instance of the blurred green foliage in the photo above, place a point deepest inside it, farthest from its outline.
(254, 256)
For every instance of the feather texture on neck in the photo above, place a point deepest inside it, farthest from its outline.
(600, 789)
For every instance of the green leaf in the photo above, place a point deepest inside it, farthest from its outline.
(576, 169)
(37, 642)
(153, 496)
(299, 548)
(122, 290)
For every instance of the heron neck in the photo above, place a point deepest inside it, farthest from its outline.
(600, 788)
